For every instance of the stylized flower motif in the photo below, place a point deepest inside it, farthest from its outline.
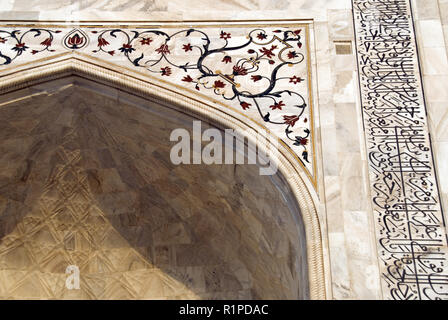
(271, 61)
(227, 59)
(295, 79)
(292, 54)
(75, 41)
(225, 35)
(239, 71)
(299, 44)
(290, 120)
(111, 52)
(245, 105)
(251, 51)
(187, 47)
(277, 105)
(301, 141)
(187, 78)
(297, 32)
(268, 52)
(166, 71)
(163, 49)
(256, 78)
(219, 84)
(146, 41)
(261, 36)
(102, 42)
(126, 48)
(34, 51)
(20, 47)
(2, 40)
(46, 42)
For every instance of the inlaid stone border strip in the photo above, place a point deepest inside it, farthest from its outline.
(410, 226)
(73, 63)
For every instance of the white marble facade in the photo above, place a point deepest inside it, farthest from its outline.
(342, 192)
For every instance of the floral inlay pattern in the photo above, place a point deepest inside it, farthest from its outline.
(260, 72)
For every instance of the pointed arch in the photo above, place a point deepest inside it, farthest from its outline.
(182, 100)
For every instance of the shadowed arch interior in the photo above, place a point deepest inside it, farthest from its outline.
(86, 179)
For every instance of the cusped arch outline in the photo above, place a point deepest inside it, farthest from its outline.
(184, 100)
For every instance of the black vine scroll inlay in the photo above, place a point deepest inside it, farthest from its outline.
(262, 72)
(410, 226)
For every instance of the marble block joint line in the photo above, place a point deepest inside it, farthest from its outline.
(410, 227)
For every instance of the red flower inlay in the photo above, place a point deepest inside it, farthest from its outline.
(261, 36)
(34, 51)
(75, 40)
(239, 71)
(256, 78)
(46, 42)
(302, 141)
(166, 71)
(126, 48)
(297, 32)
(187, 47)
(292, 54)
(187, 78)
(102, 42)
(245, 105)
(2, 40)
(290, 120)
(227, 59)
(20, 45)
(219, 84)
(225, 35)
(111, 52)
(295, 79)
(277, 105)
(163, 49)
(268, 52)
(146, 41)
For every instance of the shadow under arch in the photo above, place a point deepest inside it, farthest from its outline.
(141, 85)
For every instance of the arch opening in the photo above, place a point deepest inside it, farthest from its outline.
(173, 242)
